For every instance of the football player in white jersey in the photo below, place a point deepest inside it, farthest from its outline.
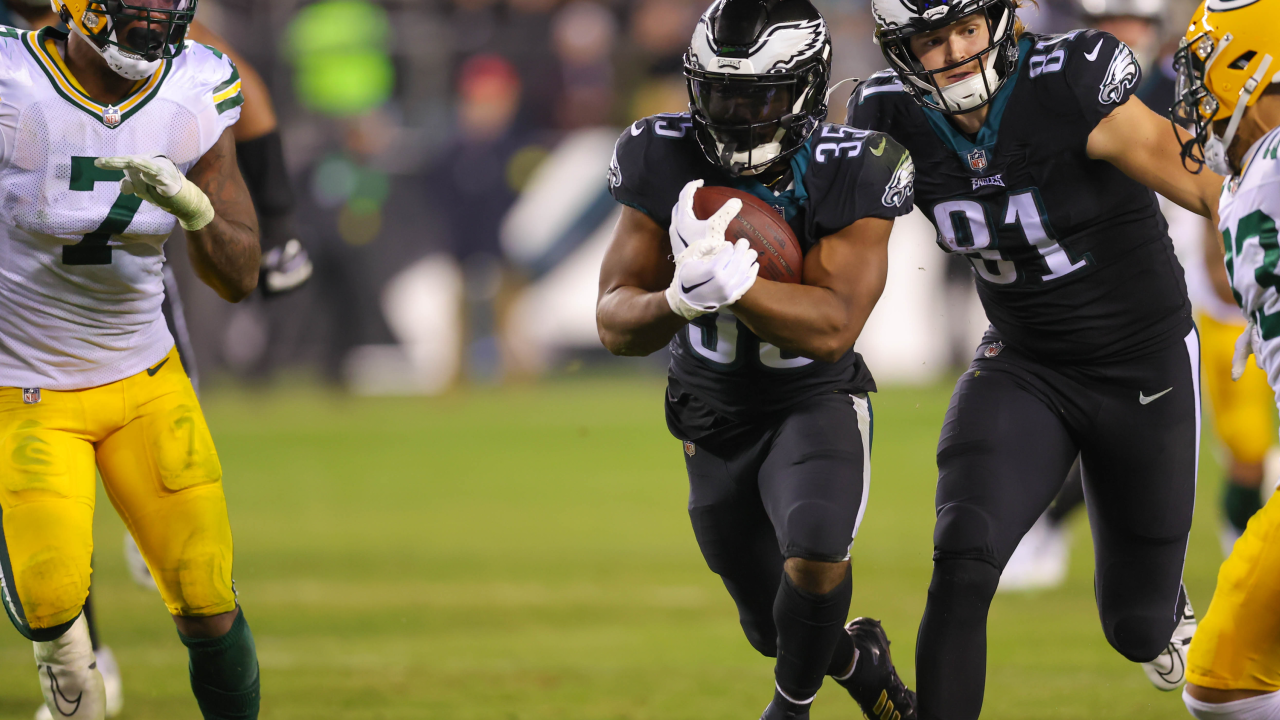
(1229, 92)
(108, 136)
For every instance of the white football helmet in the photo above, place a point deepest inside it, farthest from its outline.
(898, 20)
(757, 74)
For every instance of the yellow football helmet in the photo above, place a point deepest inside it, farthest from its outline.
(134, 37)
(1229, 56)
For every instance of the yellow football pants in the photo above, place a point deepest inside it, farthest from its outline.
(1243, 411)
(1237, 644)
(148, 438)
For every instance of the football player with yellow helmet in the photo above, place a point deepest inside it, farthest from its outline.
(1229, 95)
(109, 135)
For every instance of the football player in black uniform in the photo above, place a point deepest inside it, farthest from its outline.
(1037, 157)
(765, 391)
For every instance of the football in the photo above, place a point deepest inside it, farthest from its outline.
(762, 226)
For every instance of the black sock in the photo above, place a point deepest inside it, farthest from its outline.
(951, 649)
(842, 656)
(224, 673)
(1239, 504)
(88, 620)
(809, 629)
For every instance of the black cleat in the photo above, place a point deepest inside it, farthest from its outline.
(875, 684)
(783, 709)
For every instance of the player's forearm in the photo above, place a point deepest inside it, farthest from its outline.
(807, 320)
(634, 322)
(225, 256)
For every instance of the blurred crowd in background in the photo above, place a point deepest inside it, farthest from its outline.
(449, 160)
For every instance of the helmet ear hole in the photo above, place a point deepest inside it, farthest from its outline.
(1243, 61)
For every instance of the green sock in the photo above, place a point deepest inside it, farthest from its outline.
(1239, 504)
(224, 673)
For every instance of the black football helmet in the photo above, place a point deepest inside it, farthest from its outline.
(757, 73)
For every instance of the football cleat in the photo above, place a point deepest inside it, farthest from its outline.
(1169, 670)
(1040, 561)
(784, 708)
(874, 683)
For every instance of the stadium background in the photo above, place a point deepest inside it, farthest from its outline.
(448, 501)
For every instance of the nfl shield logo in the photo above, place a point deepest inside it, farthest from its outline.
(30, 396)
(993, 349)
(111, 116)
(978, 159)
(689, 448)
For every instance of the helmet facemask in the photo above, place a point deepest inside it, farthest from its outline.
(1196, 109)
(747, 122)
(153, 31)
(996, 62)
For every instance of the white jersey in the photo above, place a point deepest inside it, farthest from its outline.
(1249, 212)
(81, 283)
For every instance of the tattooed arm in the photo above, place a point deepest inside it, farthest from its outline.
(225, 253)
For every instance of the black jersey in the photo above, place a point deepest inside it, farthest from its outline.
(720, 370)
(1073, 257)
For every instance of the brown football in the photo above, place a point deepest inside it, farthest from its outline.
(762, 226)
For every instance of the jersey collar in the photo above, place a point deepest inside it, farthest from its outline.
(1267, 146)
(791, 200)
(42, 46)
(978, 154)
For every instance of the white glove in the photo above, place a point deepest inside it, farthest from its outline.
(285, 269)
(687, 230)
(158, 181)
(711, 275)
(1249, 340)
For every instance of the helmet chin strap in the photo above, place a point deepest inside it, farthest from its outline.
(1215, 150)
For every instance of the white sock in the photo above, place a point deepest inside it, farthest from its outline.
(1262, 707)
(69, 676)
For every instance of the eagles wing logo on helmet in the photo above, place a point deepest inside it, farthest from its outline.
(778, 50)
(902, 182)
(1121, 74)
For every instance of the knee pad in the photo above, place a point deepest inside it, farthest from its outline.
(963, 532)
(817, 530)
(69, 676)
(1262, 707)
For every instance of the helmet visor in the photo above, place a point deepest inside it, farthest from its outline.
(741, 112)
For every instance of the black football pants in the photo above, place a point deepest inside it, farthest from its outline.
(795, 486)
(1010, 436)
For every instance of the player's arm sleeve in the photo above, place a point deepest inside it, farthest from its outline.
(866, 109)
(631, 174)
(1102, 73)
(262, 165)
(227, 94)
(878, 182)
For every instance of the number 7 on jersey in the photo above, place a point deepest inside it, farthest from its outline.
(93, 249)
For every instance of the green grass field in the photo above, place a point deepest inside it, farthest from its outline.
(525, 554)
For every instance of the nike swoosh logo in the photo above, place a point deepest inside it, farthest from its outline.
(878, 151)
(1091, 56)
(1145, 399)
(59, 697)
(685, 289)
(151, 371)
